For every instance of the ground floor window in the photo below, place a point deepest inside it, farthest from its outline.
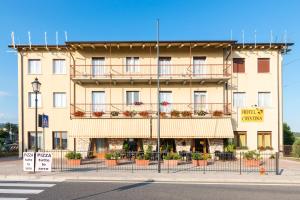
(60, 140)
(32, 138)
(264, 139)
(240, 139)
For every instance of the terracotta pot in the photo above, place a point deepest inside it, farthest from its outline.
(142, 162)
(251, 163)
(111, 163)
(170, 163)
(199, 162)
(74, 162)
(100, 155)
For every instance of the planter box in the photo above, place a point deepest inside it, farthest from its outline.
(251, 163)
(199, 163)
(100, 155)
(111, 163)
(74, 162)
(170, 163)
(142, 162)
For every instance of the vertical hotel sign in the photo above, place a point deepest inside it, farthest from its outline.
(252, 115)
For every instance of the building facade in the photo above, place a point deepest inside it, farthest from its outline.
(101, 95)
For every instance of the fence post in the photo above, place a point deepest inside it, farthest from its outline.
(61, 160)
(277, 163)
(240, 163)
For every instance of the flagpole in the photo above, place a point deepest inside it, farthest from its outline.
(158, 101)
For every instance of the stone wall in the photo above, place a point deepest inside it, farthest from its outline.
(215, 145)
(183, 144)
(115, 144)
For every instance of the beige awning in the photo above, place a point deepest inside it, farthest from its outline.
(194, 128)
(110, 128)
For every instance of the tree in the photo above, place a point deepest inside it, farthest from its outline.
(288, 136)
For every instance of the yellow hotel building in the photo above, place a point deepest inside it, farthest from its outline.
(100, 94)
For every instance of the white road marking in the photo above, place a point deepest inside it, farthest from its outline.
(25, 185)
(20, 191)
(12, 198)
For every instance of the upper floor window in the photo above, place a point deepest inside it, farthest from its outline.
(264, 99)
(165, 101)
(132, 97)
(238, 65)
(59, 66)
(165, 65)
(34, 66)
(199, 67)
(98, 101)
(239, 99)
(200, 101)
(31, 100)
(60, 140)
(263, 65)
(59, 100)
(132, 64)
(98, 66)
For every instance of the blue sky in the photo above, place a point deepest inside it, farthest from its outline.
(135, 20)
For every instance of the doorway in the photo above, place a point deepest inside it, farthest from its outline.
(201, 145)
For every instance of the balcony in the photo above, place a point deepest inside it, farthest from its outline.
(146, 73)
(140, 110)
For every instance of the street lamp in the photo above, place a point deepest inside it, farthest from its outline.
(36, 85)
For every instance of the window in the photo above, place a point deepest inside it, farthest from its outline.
(34, 66)
(165, 101)
(132, 64)
(31, 100)
(238, 65)
(263, 65)
(59, 66)
(264, 139)
(200, 101)
(59, 100)
(199, 67)
(165, 65)
(98, 66)
(60, 140)
(240, 138)
(98, 101)
(132, 97)
(264, 99)
(31, 140)
(239, 99)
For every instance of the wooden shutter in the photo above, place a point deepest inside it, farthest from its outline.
(263, 65)
(238, 65)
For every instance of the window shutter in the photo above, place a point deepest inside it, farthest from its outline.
(238, 65)
(263, 65)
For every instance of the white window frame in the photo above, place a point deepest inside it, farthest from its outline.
(201, 67)
(234, 101)
(63, 100)
(169, 66)
(205, 107)
(99, 107)
(167, 108)
(37, 72)
(132, 96)
(98, 69)
(31, 100)
(266, 102)
(62, 66)
(132, 68)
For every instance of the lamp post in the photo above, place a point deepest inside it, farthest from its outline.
(36, 85)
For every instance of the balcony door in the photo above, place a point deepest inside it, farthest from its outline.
(98, 101)
(199, 67)
(132, 64)
(165, 101)
(98, 66)
(200, 103)
(165, 66)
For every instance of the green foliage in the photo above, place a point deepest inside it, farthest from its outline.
(200, 156)
(71, 155)
(113, 156)
(172, 156)
(288, 136)
(126, 146)
(146, 155)
(251, 155)
(230, 148)
(296, 148)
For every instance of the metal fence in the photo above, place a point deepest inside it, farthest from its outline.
(131, 161)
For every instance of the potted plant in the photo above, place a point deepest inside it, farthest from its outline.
(217, 113)
(114, 113)
(144, 114)
(229, 152)
(186, 114)
(201, 113)
(112, 159)
(144, 159)
(129, 113)
(73, 158)
(171, 159)
(199, 159)
(78, 113)
(163, 114)
(251, 159)
(175, 113)
(98, 114)
(164, 103)
(138, 103)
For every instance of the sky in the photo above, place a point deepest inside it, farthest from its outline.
(136, 20)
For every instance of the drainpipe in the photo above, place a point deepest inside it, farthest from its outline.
(22, 105)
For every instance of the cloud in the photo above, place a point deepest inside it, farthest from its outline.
(1, 115)
(3, 94)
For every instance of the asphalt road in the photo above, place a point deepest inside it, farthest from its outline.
(150, 190)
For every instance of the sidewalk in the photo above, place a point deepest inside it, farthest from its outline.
(290, 173)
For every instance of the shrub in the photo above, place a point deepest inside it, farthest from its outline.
(230, 148)
(172, 156)
(296, 148)
(175, 113)
(186, 113)
(73, 155)
(251, 155)
(113, 156)
(200, 156)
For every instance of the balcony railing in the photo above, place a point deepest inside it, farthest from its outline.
(174, 71)
(149, 110)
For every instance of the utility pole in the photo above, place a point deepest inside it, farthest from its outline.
(158, 100)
